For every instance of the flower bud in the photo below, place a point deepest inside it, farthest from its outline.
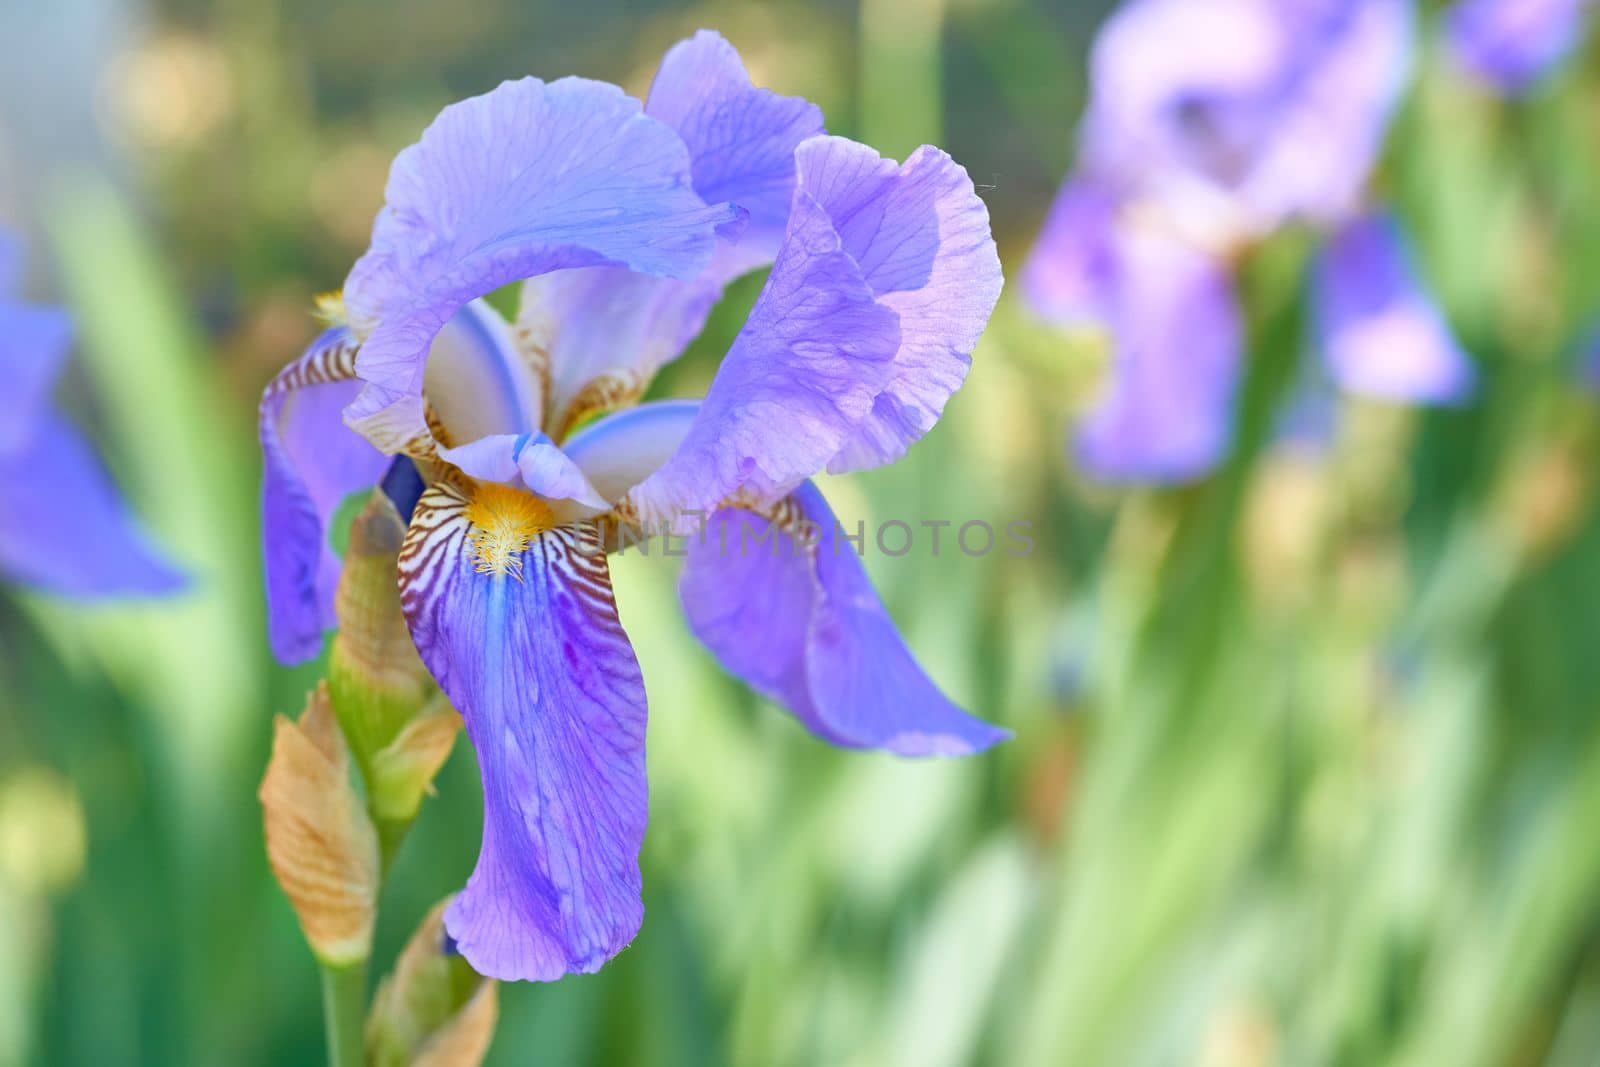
(375, 678)
(403, 770)
(320, 841)
(433, 1010)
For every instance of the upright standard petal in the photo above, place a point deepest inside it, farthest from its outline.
(1511, 44)
(920, 235)
(817, 350)
(529, 649)
(1379, 331)
(526, 179)
(741, 139)
(311, 462)
(65, 529)
(477, 382)
(605, 331)
(1177, 340)
(33, 349)
(783, 601)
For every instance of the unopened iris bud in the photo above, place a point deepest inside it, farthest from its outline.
(377, 682)
(433, 1010)
(320, 841)
(402, 771)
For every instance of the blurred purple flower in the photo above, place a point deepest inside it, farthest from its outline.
(1169, 311)
(1510, 44)
(626, 225)
(1245, 113)
(64, 529)
(1209, 127)
(1380, 332)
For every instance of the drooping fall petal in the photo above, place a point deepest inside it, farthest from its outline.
(518, 625)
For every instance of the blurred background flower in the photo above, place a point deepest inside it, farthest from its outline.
(1307, 761)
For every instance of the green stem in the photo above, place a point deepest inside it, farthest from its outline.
(344, 996)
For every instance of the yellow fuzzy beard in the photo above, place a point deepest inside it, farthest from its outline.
(504, 522)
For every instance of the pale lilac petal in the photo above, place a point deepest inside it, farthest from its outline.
(539, 667)
(1380, 332)
(816, 352)
(621, 450)
(526, 179)
(477, 382)
(605, 331)
(33, 350)
(805, 627)
(920, 234)
(741, 139)
(1511, 44)
(1178, 341)
(64, 527)
(311, 462)
(1070, 277)
(531, 462)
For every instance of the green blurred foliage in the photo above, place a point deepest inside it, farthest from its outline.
(1307, 765)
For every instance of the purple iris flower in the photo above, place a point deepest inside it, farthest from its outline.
(1370, 306)
(1170, 310)
(624, 225)
(1245, 113)
(65, 529)
(1209, 127)
(1511, 44)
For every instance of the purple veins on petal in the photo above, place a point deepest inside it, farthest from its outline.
(526, 179)
(805, 627)
(1380, 332)
(1511, 44)
(544, 676)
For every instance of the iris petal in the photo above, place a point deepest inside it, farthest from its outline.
(1381, 333)
(605, 331)
(815, 353)
(805, 627)
(311, 462)
(741, 139)
(531, 462)
(1071, 274)
(1512, 43)
(526, 179)
(1178, 341)
(33, 349)
(920, 234)
(539, 667)
(477, 382)
(72, 534)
